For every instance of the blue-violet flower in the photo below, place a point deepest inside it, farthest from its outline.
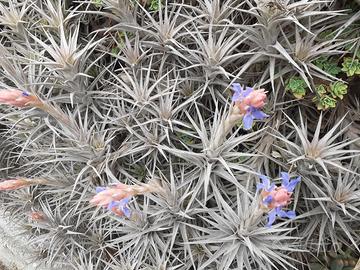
(250, 102)
(276, 198)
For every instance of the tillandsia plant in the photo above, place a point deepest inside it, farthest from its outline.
(97, 97)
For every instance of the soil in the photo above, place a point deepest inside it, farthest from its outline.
(3, 267)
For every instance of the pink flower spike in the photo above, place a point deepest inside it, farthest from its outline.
(14, 184)
(19, 98)
(256, 99)
(280, 197)
(113, 193)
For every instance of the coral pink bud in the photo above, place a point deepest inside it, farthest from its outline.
(14, 184)
(117, 211)
(37, 216)
(280, 197)
(106, 196)
(256, 99)
(20, 183)
(18, 98)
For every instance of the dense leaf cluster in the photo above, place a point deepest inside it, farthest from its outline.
(143, 92)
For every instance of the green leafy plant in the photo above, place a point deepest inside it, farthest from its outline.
(154, 5)
(329, 65)
(97, 3)
(338, 89)
(322, 100)
(297, 87)
(351, 66)
(325, 102)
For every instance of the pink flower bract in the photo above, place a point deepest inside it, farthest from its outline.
(14, 184)
(18, 98)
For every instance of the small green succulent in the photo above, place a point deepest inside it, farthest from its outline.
(329, 65)
(338, 89)
(185, 138)
(325, 102)
(297, 86)
(97, 3)
(321, 89)
(154, 5)
(351, 66)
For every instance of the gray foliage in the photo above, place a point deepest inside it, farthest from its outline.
(139, 94)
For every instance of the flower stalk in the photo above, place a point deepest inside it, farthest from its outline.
(21, 99)
(13, 184)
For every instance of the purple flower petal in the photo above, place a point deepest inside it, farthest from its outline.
(112, 204)
(121, 205)
(286, 214)
(248, 120)
(126, 211)
(125, 201)
(247, 91)
(100, 189)
(237, 87)
(290, 214)
(124, 208)
(281, 213)
(265, 185)
(265, 179)
(291, 186)
(259, 115)
(285, 178)
(271, 218)
(287, 183)
(268, 200)
(237, 92)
